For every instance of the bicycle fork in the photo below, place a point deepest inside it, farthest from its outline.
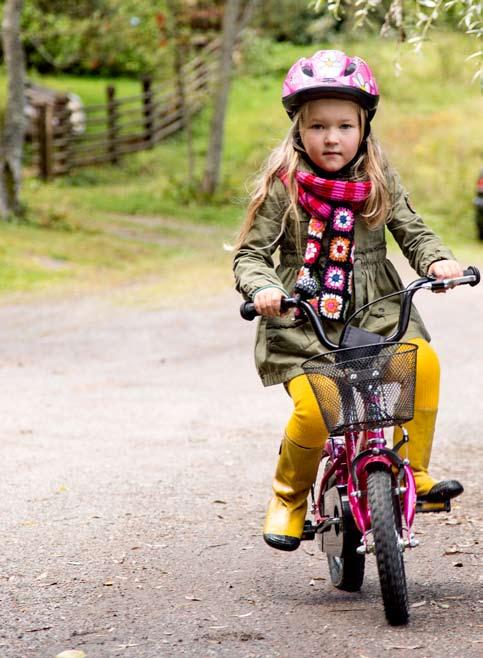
(377, 456)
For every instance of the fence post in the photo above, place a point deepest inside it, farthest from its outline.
(112, 124)
(45, 137)
(64, 132)
(148, 112)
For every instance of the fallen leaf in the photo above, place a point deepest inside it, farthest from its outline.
(452, 550)
(409, 647)
(71, 653)
(36, 630)
(121, 647)
(192, 598)
(352, 609)
(108, 583)
(219, 502)
(418, 604)
(438, 604)
(213, 546)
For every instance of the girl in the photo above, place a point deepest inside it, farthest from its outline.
(323, 202)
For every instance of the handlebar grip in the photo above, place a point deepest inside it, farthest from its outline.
(248, 311)
(473, 271)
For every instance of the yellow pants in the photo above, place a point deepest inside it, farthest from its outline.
(307, 429)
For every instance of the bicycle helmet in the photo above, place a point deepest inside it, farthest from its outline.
(330, 74)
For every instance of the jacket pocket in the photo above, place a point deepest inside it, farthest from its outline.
(298, 340)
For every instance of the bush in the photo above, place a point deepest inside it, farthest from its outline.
(108, 37)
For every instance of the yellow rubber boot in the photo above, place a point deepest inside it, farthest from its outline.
(421, 428)
(421, 431)
(295, 473)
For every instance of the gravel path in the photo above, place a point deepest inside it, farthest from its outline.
(137, 451)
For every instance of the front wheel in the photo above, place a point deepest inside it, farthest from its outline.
(385, 518)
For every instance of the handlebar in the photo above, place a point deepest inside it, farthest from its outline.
(471, 276)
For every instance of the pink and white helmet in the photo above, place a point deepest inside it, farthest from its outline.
(330, 74)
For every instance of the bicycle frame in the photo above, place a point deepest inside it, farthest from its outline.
(352, 458)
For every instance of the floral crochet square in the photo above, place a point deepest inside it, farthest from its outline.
(339, 249)
(312, 252)
(343, 219)
(316, 228)
(330, 306)
(335, 278)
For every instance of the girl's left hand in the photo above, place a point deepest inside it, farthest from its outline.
(445, 269)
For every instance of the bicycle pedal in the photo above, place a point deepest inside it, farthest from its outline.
(309, 531)
(426, 506)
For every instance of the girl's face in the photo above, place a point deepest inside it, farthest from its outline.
(330, 132)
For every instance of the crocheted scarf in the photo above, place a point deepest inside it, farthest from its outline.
(331, 205)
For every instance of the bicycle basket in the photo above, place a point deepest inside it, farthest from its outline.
(362, 388)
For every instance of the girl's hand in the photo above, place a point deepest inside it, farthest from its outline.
(445, 269)
(267, 301)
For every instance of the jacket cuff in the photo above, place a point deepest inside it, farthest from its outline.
(441, 254)
(252, 295)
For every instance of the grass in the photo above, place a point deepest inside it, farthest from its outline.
(82, 229)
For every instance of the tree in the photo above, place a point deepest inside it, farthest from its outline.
(11, 140)
(411, 21)
(236, 16)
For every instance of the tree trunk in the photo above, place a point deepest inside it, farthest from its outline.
(180, 46)
(11, 141)
(232, 23)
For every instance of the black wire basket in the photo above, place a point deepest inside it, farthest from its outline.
(361, 388)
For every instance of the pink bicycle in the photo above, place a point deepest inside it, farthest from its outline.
(364, 499)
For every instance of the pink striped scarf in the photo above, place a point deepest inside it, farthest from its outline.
(331, 205)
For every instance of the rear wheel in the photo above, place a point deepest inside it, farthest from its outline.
(346, 567)
(385, 519)
(347, 571)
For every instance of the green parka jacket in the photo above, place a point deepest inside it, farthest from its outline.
(283, 343)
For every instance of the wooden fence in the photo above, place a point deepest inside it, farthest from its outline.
(120, 125)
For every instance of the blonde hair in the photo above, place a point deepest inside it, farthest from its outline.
(371, 164)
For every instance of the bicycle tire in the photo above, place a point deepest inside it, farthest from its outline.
(389, 558)
(347, 571)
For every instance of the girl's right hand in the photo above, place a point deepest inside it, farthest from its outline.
(267, 301)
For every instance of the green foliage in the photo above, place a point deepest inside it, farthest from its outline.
(108, 37)
(411, 21)
(285, 20)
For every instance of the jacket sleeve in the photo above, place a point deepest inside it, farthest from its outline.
(418, 242)
(253, 264)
